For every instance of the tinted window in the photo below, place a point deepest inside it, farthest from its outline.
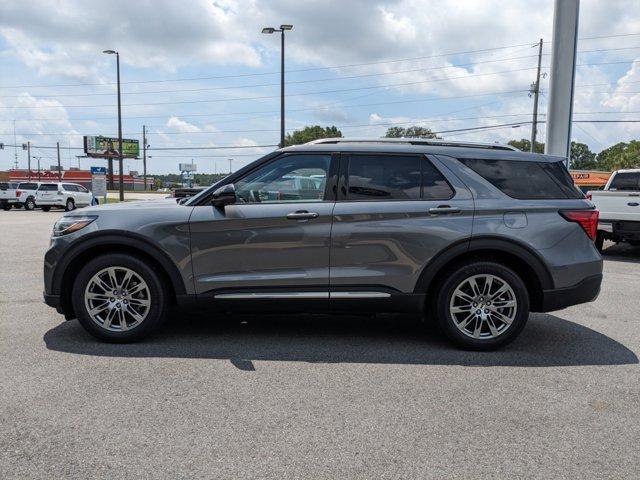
(291, 178)
(626, 181)
(434, 185)
(28, 186)
(5, 186)
(384, 177)
(69, 188)
(48, 187)
(81, 189)
(526, 180)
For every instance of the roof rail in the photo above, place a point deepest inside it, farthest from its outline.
(415, 141)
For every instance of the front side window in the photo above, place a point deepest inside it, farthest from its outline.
(292, 178)
(384, 177)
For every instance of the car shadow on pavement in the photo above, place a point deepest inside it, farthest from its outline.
(622, 252)
(547, 341)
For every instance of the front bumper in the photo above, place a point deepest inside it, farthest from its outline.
(558, 298)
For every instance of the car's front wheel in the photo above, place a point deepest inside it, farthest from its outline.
(119, 298)
(70, 205)
(30, 204)
(482, 305)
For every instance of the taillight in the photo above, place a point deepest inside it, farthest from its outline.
(18, 193)
(588, 220)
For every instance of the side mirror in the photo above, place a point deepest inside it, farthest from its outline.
(224, 195)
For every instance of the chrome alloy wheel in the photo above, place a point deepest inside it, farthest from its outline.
(483, 306)
(117, 299)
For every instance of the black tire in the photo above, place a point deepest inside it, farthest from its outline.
(29, 204)
(6, 207)
(70, 205)
(600, 241)
(158, 297)
(45, 208)
(465, 271)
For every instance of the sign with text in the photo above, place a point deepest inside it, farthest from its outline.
(107, 147)
(99, 181)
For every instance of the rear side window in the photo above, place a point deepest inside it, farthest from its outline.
(28, 186)
(526, 180)
(69, 188)
(625, 181)
(384, 177)
(434, 185)
(48, 187)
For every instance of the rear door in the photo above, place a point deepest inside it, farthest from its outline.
(47, 192)
(393, 215)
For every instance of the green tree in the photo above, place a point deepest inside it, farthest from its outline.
(525, 145)
(582, 158)
(309, 133)
(410, 132)
(620, 155)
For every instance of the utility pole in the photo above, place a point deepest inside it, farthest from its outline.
(536, 92)
(59, 167)
(29, 159)
(15, 147)
(38, 158)
(144, 155)
(230, 162)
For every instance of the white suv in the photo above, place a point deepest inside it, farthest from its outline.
(65, 195)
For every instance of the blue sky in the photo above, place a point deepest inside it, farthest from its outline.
(360, 65)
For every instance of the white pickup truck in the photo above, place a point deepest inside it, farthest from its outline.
(8, 195)
(619, 205)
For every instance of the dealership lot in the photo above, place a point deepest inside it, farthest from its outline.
(315, 396)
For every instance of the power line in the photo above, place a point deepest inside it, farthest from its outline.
(318, 80)
(254, 74)
(264, 97)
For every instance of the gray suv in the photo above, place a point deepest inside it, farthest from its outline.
(473, 236)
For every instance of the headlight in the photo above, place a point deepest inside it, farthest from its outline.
(68, 225)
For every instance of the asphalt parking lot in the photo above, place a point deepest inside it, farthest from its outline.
(314, 397)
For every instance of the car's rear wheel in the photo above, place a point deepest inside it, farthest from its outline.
(6, 207)
(45, 208)
(482, 305)
(29, 204)
(119, 298)
(70, 205)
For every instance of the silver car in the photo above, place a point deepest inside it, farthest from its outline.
(471, 236)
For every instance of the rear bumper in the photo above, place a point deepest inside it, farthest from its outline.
(4, 201)
(585, 291)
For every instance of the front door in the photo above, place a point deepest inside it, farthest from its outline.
(274, 242)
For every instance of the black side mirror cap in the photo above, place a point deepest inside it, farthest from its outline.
(225, 195)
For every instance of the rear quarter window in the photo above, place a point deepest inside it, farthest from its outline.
(625, 181)
(526, 180)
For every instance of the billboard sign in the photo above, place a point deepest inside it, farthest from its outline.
(188, 167)
(107, 147)
(99, 181)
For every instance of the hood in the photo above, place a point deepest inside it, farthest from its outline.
(128, 206)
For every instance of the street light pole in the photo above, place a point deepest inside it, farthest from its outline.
(144, 155)
(282, 29)
(120, 165)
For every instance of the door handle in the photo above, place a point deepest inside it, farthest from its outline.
(302, 215)
(443, 210)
